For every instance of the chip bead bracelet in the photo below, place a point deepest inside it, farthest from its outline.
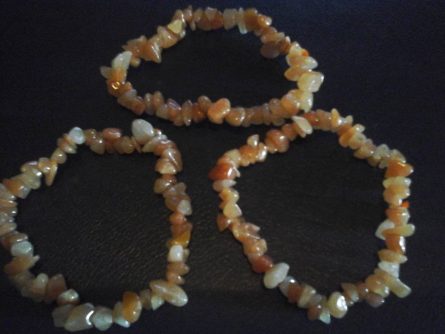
(69, 314)
(393, 231)
(275, 43)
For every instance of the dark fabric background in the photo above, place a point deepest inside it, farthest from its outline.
(102, 226)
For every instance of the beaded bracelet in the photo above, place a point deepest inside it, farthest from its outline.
(68, 313)
(392, 231)
(274, 44)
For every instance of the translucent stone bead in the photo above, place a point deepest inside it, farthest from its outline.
(56, 286)
(167, 38)
(261, 264)
(303, 62)
(6, 228)
(105, 71)
(122, 60)
(375, 284)
(315, 299)
(60, 315)
(142, 130)
(176, 254)
(6, 218)
(391, 268)
(346, 137)
(325, 315)
(385, 225)
(9, 210)
(390, 256)
(50, 176)
(118, 317)
(11, 238)
(131, 306)
(293, 292)
(337, 305)
(397, 168)
(178, 267)
(374, 300)
(22, 248)
(163, 183)
(111, 134)
(219, 185)
(79, 318)
(310, 81)
(251, 19)
(66, 144)
(254, 247)
(16, 187)
(223, 171)
(176, 26)
(223, 222)
(274, 276)
(5, 193)
(165, 166)
(98, 146)
(152, 50)
(30, 179)
(276, 141)
(305, 99)
(397, 181)
(77, 136)
(302, 126)
(307, 293)
(380, 156)
(36, 288)
(22, 279)
(174, 156)
(151, 144)
(170, 292)
(102, 318)
(366, 150)
(218, 111)
(181, 239)
(156, 301)
(68, 297)
(232, 210)
(350, 292)
(396, 286)
(229, 17)
(314, 311)
(270, 50)
(357, 140)
(294, 73)
(240, 21)
(145, 297)
(234, 156)
(284, 286)
(396, 243)
(404, 230)
(20, 264)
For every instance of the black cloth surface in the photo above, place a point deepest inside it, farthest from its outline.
(105, 230)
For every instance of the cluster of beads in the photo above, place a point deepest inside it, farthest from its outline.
(393, 231)
(274, 43)
(69, 313)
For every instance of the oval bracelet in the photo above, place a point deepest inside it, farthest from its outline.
(68, 313)
(275, 43)
(392, 231)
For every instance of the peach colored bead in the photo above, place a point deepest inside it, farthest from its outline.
(223, 172)
(219, 110)
(131, 306)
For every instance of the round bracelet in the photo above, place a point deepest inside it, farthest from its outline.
(274, 44)
(392, 231)
(69, 314)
